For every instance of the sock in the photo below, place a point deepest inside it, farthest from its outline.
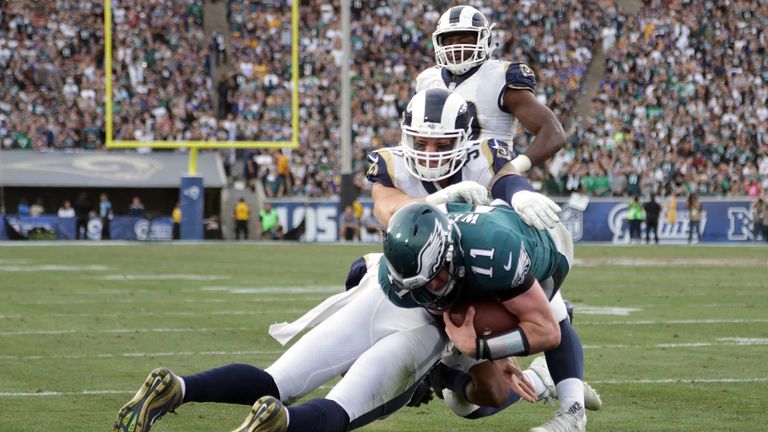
(183, 388)
(538, 384)
(485, 411)
(569, 391)
(318, 415)
(235, 383)
(567, 360)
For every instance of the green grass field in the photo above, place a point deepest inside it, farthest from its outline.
(676, 338)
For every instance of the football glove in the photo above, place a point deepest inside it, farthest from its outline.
(467, 191)
(535, 209)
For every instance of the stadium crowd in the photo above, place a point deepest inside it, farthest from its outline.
(682, 108)
(682, 105)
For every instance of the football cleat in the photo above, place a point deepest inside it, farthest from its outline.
(592, 399)
(160, 394)
(267, 415)
(574, 419)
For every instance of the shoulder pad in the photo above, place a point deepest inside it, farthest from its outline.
(520, 76)
(380, 168)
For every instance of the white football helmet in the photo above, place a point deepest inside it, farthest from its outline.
(435, 113)
(460, 58)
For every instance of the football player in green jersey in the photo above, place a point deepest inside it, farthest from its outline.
(434, 259)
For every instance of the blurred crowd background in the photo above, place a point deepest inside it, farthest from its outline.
(681, 105)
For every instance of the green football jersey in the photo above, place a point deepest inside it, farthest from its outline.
(501, 254)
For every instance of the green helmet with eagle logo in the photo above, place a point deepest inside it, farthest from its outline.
(419, 242)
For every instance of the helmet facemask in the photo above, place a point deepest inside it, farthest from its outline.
(459, 58)
(435, 114)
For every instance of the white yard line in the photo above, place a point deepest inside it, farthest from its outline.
(139, 354)
(51, 268)
(124, 331)
(671, 322)
(161, 277)
(171, 301)
(684, 381)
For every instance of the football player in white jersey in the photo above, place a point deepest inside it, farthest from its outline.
(429, 158)
(498, 93)
(383, 350)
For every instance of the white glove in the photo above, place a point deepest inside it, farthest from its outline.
(467, 191)
(535, 209)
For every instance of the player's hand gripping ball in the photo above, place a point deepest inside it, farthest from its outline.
(491, 317)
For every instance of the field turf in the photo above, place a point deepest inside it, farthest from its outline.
(675, 337)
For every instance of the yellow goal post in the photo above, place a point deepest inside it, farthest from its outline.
(194, 146)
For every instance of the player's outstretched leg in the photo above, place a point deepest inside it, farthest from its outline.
(267, 415)
(161, 393)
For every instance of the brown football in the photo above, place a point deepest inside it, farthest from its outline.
(491, 317)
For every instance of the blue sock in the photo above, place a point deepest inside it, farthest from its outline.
(235, 383)
(567, 360)
(318, 415)
(485, 411)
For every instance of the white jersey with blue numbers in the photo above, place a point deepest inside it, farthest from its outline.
(484, 159)
(483, 89)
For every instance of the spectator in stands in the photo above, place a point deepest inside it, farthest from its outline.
(66, 210)
(242, 216)
(269, 221)
(694, 217)
(83, 208)
(37, 209)
(136, 207)
(349, 225)
(22, 209)
(106, 215)
(652, 212)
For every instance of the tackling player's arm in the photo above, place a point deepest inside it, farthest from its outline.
(519, 100)
(387, 200)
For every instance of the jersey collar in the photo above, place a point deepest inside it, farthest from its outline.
(452, 81)
(431, 187)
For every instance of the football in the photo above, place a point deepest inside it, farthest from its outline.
(491, 317)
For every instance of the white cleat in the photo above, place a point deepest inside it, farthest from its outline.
(573, 419)
(592, 400)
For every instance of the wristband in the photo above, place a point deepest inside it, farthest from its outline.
(507, 186)
(511, 343)
(522, 163)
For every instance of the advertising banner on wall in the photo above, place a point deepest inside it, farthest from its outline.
(601, 221)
